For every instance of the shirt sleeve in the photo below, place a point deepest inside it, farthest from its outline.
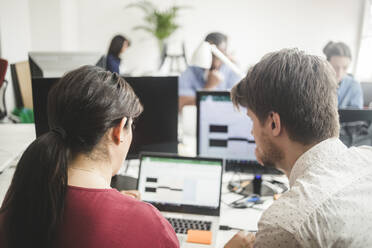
(356, 100)
(274, 236)
(231, 79)
(186, 83)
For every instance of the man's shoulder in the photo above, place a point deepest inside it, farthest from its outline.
(350, 81)
(192, 74)
(318, 185)
(287, 212)
(224, 69)
(194, 69)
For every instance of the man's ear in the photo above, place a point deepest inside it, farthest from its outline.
(118, 131)
(275, 123)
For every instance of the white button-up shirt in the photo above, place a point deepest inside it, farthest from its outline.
(329, 203)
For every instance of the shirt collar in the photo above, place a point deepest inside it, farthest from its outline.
(320, 152)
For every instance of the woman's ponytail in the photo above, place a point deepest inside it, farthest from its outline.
(33, 205)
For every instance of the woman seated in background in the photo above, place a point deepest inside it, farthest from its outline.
(118, 46)
(349, 92)
(60, 195)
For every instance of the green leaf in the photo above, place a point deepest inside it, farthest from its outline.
(161, 24)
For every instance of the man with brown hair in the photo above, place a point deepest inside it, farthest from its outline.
(291, 98)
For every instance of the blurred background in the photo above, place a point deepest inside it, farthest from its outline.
(253, 27)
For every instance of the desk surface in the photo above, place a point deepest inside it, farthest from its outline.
(15, 138)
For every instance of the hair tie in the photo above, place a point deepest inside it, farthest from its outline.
(59, 131)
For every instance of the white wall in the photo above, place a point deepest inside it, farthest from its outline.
(14, 38)
(54, 25)
(69, 27)
(45, 21)
(27, 25)
(99, 21)
(255, 27)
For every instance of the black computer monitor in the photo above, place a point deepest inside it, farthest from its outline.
(156, 128)
(55, 64)
(225, 132)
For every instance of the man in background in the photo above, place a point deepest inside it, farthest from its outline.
(218, 77)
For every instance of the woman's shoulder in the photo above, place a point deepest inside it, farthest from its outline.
(118, 218)
(110, 201)
(141, 214)
(106, 196)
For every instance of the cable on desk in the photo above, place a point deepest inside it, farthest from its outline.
(247, 201)
(252, 189)
(228, 228)
(247, 187)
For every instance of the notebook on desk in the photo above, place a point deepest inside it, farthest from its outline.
(187, 191)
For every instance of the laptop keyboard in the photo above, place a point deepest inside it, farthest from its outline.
(182, 225)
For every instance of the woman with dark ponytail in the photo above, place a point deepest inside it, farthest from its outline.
(60, 195)
(349, 92)
(118, 45)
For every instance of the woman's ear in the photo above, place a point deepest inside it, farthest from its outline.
(118, 131)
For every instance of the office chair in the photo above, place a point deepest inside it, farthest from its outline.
(177, 61)
(356, 126)
(3, 85)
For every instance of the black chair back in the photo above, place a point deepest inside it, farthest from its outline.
(356, 126)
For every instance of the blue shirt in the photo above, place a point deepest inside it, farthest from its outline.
(350, 93)
(192, 79)
(112, 63)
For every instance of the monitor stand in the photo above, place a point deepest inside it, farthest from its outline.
(121, 182)
(265, 190)
(249, 187)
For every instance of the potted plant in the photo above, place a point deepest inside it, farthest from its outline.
(159, 23)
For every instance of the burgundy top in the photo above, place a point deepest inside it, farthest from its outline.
(98, 218)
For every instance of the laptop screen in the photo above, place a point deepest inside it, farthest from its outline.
(223, 131)
(181, 184)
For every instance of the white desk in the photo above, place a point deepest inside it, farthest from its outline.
(15, 138)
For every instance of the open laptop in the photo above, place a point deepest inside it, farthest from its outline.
(186, 190)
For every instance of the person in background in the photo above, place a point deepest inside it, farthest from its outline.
(60, 194)
(349, 92)
(118, 46)
(218, 77)
(291, 98)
